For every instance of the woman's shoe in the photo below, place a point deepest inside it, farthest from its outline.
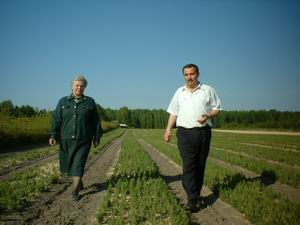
(75, 196)
(81, 186)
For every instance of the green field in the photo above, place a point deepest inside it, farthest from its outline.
(37, 178)
(267, 155)
(137, 194)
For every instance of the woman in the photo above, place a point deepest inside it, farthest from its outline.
(77, 123)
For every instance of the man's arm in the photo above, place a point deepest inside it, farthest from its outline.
(171, 123)
(213, 113)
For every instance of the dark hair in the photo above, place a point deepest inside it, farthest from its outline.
(191, 66)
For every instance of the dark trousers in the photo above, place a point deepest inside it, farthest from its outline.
(193, 146)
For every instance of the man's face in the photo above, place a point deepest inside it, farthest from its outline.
(78, 88)
(191, 77)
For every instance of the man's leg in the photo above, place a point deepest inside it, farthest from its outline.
(203, 150)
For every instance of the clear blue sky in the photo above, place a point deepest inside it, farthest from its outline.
(132, 51)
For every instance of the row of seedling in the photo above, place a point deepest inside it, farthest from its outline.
(136, 193)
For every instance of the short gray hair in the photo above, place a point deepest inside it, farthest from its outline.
(80, 78)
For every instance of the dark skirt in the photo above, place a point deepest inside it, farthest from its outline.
(73, 155)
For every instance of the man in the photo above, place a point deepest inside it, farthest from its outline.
(77, 123)
(192, 108)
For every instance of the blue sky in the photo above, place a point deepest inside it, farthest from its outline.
(132, 51)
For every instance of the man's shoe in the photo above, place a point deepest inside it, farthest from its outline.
(192, 205)
(201, 202)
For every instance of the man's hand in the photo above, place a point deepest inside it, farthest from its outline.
(167, 135)
(203, 119)
(171, 123)
(52, 141)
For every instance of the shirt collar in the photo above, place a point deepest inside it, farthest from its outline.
(71, 97)
(184, 88)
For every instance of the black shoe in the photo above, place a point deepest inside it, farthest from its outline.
(201, 202)
(192, 205)
(75, 196)
(81, 186)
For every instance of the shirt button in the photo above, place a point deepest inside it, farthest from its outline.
(74, 115)
(72, 136)
(75, 106)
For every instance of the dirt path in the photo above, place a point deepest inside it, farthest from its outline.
(259, 132)
(56, 206)
(216, 213)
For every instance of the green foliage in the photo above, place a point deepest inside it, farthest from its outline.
(262, 119)
(278, 153)
(136, 194)
(260, 204)
(139, 118)
(8, 109)
(283, 173)
(19, 187)
(25, 125)
(19, 131)
(270, 119)
(17, 158)
(285, 149)
(157, 119)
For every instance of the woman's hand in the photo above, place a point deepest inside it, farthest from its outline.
(52, 141)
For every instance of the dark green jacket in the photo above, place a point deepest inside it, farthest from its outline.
(73, 120)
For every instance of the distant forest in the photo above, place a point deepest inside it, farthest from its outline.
(157, 118)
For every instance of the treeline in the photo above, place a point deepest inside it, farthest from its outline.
(268, 119)
(137, 118)
(25, 125)
(262, 119)
(7, 108)
(157, 118)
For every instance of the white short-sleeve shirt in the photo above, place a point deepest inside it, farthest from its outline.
(188, 106)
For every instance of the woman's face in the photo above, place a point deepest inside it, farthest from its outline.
(78, 88)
